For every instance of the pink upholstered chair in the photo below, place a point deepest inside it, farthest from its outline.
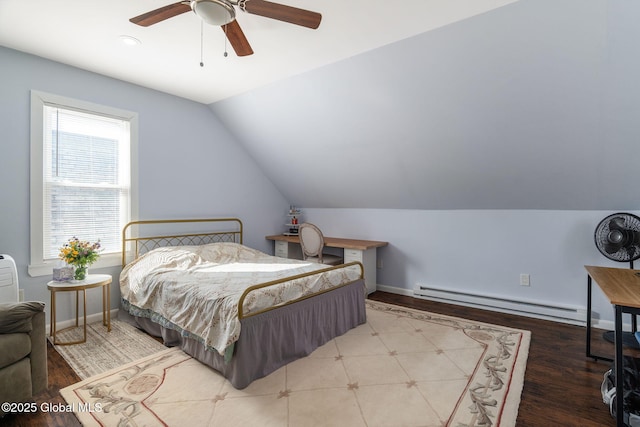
(312, 243)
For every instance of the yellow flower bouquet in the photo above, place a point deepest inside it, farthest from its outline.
(80, 254)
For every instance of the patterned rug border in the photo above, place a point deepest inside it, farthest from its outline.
(513, 393)
(493, 392)
(437, 317)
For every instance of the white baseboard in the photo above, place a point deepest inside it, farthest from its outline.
(394, 290)
(604, 325)
(95, 317)
(609, 325)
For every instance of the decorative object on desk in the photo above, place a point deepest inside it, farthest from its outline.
(63, 272)
(294, 221)
(617, 237)
(80, 254)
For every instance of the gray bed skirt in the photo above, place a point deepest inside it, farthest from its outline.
(270, 340)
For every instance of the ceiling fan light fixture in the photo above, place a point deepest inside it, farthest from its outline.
(129, 40)
(214, 12)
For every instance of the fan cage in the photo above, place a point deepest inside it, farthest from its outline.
(624, 254)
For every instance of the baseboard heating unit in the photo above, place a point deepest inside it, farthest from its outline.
(559, 313)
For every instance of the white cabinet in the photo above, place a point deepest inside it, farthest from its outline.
(282, 249)
(288, 250)
(368, 259)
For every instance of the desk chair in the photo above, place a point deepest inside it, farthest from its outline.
(312, 243)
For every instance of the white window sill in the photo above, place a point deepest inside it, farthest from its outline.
(46, 268)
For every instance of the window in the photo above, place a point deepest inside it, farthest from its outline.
(82, 181)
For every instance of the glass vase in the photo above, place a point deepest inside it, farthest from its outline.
(81, 273)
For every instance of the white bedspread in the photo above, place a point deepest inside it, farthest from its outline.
(196, 289)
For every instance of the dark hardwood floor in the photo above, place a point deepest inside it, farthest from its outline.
(562, 386)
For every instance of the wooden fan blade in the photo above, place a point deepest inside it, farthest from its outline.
(161, 14)
(237, 39)
(289, 14)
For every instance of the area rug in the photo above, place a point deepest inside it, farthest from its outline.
(104, 350)
(402, 368)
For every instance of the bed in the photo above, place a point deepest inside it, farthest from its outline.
(238, 310)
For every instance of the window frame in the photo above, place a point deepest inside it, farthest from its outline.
(38, 266)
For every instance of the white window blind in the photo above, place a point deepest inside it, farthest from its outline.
(83, 179)
(86, 179)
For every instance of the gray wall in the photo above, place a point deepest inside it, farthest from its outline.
(481, 150)
(189, 166)
(531, 106)
(482, 252)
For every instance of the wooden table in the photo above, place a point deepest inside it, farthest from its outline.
(621, 286)
(91, 281)
(363, 251)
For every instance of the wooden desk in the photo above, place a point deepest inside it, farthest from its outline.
(621, 286)
(363, 251)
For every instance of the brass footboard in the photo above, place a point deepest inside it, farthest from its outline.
(241, 314)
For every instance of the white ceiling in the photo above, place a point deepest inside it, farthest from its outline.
(85, 34)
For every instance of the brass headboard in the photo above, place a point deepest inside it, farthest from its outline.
(139, 241)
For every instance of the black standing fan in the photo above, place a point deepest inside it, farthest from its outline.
(618, 238)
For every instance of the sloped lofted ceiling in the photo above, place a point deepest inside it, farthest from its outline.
(86, 34)
(534, 105)
(429, 104)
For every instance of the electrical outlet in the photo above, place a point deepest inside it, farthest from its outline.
(525, 280)
(20, 294)
(379, 263)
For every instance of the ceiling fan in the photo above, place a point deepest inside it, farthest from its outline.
(222, 13)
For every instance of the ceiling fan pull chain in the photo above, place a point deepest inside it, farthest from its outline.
(225, 41)
(201, 43)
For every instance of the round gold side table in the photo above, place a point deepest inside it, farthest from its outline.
(91, 281)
